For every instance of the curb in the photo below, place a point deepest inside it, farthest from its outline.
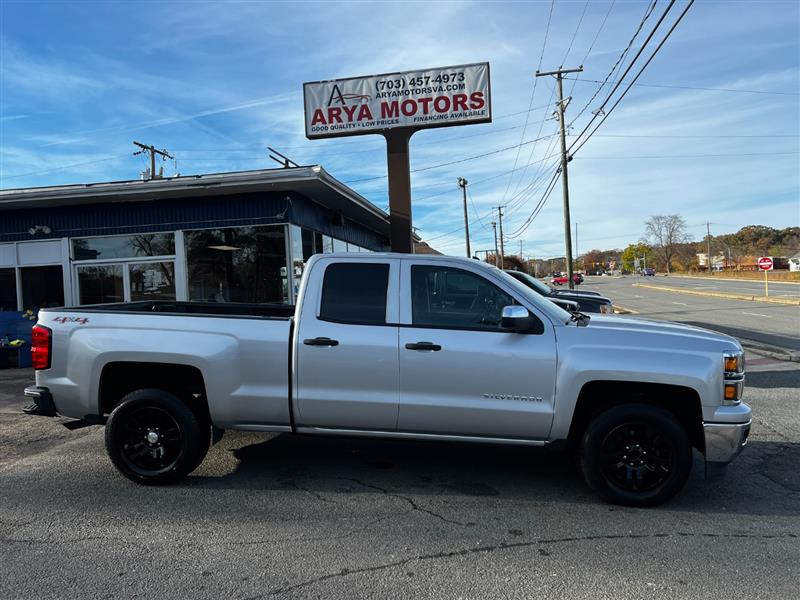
(771, 351)
(744, 279)
(621, 310)
(664, 288)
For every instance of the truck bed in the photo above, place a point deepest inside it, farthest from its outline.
(173, 307)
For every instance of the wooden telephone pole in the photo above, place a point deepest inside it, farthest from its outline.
(152, 150)
(565, 158)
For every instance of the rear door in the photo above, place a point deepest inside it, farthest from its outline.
(460, 373)
(346, 369)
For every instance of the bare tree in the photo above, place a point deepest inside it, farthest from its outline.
(665, 233)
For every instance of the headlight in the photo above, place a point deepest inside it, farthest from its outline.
(733, 363)
(606, 309)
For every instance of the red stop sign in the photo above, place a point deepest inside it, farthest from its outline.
(765, 263)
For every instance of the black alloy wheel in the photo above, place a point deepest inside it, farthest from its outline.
(636, 455)
(150, 441)
(154, 438)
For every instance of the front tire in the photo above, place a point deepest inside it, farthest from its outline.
(153, 438)
(636, 455)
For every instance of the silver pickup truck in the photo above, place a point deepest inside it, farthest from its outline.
(397, 346)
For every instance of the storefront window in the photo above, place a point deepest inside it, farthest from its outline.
(8, 289)
(42, 287)
(308, 244)
(152, 281)
(100, 284)
(124, 246)
(237, 264)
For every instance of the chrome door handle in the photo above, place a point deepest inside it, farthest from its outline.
(320, 341)
(424, 346)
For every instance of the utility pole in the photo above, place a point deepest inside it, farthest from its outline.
(708, 245)
(559, 74)
(462, 183)
(152, 150)
(502, 250)
(496, 253)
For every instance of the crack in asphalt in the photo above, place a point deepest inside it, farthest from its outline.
(409, 500)
(510, 546)
(316, 495)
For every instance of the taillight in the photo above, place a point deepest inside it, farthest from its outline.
(41, 345)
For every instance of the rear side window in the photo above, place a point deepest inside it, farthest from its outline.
(355, 293)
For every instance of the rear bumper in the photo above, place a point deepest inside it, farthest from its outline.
(42, 402)
(724, 441)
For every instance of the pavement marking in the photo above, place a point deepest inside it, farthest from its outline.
(753, 298)
(756, 314)
(681, 303)
(637, 296)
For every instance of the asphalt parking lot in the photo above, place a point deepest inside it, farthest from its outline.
(299, 517)
(775, 325)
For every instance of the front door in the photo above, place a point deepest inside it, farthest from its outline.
(460, 373)
(346, 368)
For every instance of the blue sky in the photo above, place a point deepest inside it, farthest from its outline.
(216, 82)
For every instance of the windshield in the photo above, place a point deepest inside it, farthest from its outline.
(532, 282)
(556, 313)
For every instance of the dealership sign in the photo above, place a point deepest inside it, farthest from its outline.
(439, 97)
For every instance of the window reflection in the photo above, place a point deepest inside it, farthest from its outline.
(124, 246)
(152, 281)
(238, 264)
(100, 284)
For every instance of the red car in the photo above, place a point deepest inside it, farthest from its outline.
(562, 279)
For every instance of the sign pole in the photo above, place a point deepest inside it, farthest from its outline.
(399, 171)
(766, 284)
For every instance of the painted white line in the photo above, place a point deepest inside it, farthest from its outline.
(637, 296)
(680, 303)
(756, 314)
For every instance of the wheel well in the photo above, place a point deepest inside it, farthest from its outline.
(598, 396)
(121, 378)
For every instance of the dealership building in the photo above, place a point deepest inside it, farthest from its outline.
(226, 237)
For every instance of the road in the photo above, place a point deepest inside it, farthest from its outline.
(772, 324)
(739, 286)
(292, 517)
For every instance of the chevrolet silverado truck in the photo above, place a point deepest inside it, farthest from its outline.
(397, 346)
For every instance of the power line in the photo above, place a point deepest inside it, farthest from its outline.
(452, 162)
(539, 206)
(599, 111)
(662, 156)
(574, 34)
(594, 41)
(70, 166)
(641, 70)
(648, 11)
(689, 87)
(533, 94)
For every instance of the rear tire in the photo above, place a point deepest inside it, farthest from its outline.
(636, 455)
(153, 438)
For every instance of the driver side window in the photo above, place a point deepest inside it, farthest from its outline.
(456, 299)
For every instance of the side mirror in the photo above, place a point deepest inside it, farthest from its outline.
(516, 318)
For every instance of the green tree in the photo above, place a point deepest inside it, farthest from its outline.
(634, 251)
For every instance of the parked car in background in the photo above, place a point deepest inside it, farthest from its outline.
(562, 279)
(649, 272)
(589, 302)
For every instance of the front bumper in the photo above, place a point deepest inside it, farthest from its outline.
(42, 402)
(724, 441)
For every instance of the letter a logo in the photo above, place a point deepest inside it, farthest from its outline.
(337, 94)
